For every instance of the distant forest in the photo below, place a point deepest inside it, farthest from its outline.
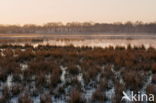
(76, 27)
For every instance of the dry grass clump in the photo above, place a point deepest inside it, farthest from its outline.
(12, 68)
(103, 85)
(45, 98)
(24, 98)
(107, 73)
(6, 92)
(153, 67)
(74, 82)
(40, 80)
(76, 97)
(42, 66)
(6, 95)
(17, 77)
(134, 79)
(72, 69)
(3, 99)
(154, 78)
(16, 89)
(119, 61)
(61, 90)
(55, 77)
(91, 74)
(119, 88)
(8, 52)
(25, 55)
(3, 75)
(98, 96)
(151, 89)
(7, 67)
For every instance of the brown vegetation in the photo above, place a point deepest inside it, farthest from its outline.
(45, 98)
(25, 98)
(76, 97)
(98, 96)
(99, 68)
(134, 79)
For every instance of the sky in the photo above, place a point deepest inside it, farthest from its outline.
(108, 11)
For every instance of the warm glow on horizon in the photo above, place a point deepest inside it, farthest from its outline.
(43, 11)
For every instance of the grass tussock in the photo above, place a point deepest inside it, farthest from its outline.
(76, 97)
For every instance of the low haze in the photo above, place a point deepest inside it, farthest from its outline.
(43, 11)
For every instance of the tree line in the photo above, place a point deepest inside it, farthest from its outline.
(76, 27)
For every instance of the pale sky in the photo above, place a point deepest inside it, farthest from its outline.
(43, 11)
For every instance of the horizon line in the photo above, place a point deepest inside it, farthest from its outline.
(81, 22)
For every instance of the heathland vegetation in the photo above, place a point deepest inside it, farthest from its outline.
(86, 27)
(74, 75)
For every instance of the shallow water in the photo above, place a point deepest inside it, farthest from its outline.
(93, 40)
(104, 42)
